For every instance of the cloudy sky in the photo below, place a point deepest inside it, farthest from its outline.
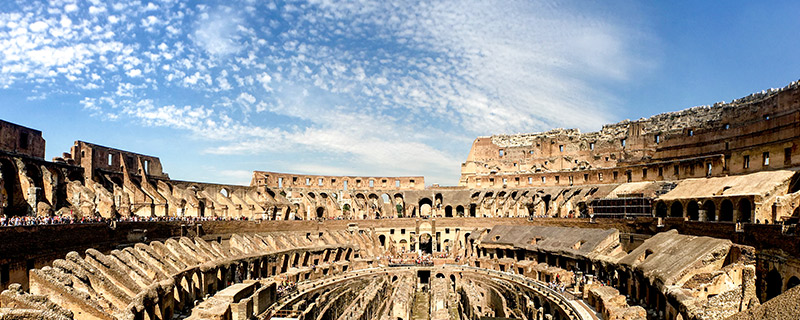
(218, 89)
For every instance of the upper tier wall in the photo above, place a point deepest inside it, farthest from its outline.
(759, 132)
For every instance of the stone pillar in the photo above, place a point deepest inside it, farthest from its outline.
(736, 214)
(701, 215)
(685, 213)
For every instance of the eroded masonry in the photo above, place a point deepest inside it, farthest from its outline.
(684, 215)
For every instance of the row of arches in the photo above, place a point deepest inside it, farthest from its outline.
(775, 284)
(708, 210)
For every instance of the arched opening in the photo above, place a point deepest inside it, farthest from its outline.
(726, 210)
(399, 205)
(320, 212)
(711, 210)
(793, 282)
(201, 209)
(460, 211)
(473, 210)
(676, 210)
(403, 245)
(382, 239)
(224, 192)
(448, 212)
(426, 243)
(16, 204)
(546, 201)
(583, 210)
(774, 284)
(661, 209)
(425, 206)
(745, 210)
(693, 210)
(453, 281)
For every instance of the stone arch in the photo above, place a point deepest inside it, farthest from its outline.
(726, 210)
(693, 210)
(425, 243)
(711, 210)
(12, 190)
(448, 211)
(403, 245)
(320, 212)
(225, 192)
(774, 284)
(661, 209)
(745, 210)
(425, 207)
(399, 205)
(459, 211)
(546, 201)
(382, 239)
(676, 210)
(473, 210)
(792, 282)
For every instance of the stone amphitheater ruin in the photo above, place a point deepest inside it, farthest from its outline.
(685, 215)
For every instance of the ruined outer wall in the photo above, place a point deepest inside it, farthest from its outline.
(21, 140)
(732, 138)
(95, 157)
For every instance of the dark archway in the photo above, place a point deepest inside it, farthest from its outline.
(661, 209)
(546, 200)
(201, 209)
(676, 210)
(448, 212)
(793, 282)
(426, 243)
(745, 210)
(711, 210)
(320, 212)
(382, 239)
(17, 206)
(473, 210)
(693, 210)
(726, 210)
(774, 284)
(459, 211)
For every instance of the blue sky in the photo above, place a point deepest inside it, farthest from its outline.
(218, 89)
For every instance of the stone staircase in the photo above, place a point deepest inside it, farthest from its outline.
(666, 187)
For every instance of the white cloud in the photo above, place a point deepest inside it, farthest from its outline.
(38, 26)
(389, 88)
(133, 73)
(247, 98)
(96, 10)
(217, 32)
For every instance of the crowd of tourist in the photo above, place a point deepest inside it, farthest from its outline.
(286, 288)
(56, 220)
